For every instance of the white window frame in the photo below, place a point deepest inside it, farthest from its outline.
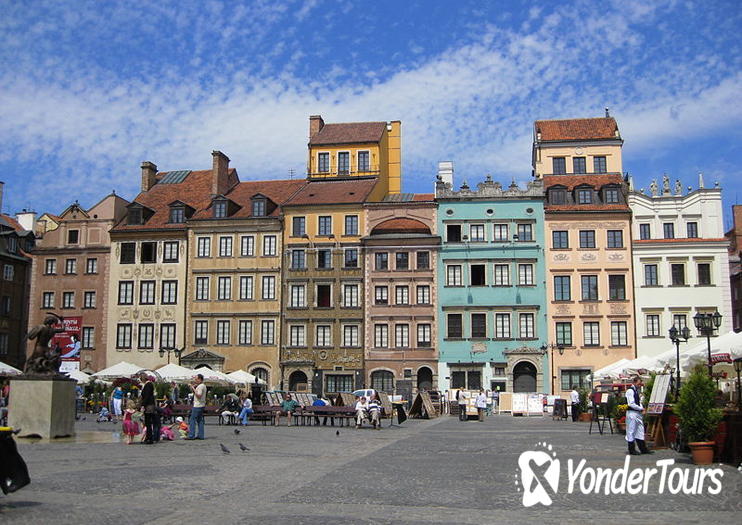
(224, 288)
(247, 287)
(423, 294)
(381, 336)
(351, 295)
(297, 335)
(202, 288)
(267, 332)
(402, 335)
(225, 245)
(298, 296)
(503, 327)
(222, 331)
(245, 332)
(525, 274)
(269, 245)
(268, 287)
(454, 275)
(203, 246)
(323, 335)
(527, 325)
(351, 335)
(247, 246)
(402, 294)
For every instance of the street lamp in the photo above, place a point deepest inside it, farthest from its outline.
(559, 347)
(706, 324)
(678, 336)
(176, 351)
(738, 369)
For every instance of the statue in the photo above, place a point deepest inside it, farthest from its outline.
(678, 187)
(665, 184)
(44, 360)
(653, 188)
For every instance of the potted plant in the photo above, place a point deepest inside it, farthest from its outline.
(585, 415)
(698, 416)
(620, 417)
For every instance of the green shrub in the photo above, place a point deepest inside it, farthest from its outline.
(584, 393)
(698, 417)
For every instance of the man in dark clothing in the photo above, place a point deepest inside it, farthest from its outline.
(149, 407)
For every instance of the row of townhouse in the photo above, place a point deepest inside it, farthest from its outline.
(340, 280)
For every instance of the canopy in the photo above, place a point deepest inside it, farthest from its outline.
(122, 369)
(7, 370)
(79, 376)
(244, 378)
(729, 343)
(611, 371)
(212, 376)
(173, 372)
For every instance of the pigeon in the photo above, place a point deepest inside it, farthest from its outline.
(337, 432)
(236, 431)
(84, 418)
(243, 448)
(225, 450)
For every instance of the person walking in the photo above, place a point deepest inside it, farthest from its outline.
(634, 420)
(481, 403)
(117, 397)
(198, 389)
(149, 407)
(461, 398)
(574, 396)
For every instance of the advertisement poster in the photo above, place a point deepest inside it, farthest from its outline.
(69, 343)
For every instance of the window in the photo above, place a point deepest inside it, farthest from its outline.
(126, 292)
(128, 252)
(381, 336)
(453, 233)
(298, 260)
(589, 287)
(587, 238)
(351, 225)
(147, 292)
(269, 287)
(123, 336)
(245, 333)
(222, 332)
(12, 244)
(134, 216)
(343, 162)
(167, 335)
(5, 305)
(502, 326)
(525, 232)
(381, 260)
(615, 239)
(202, 288)
(619, 333)
(324, 259)
(363, 163)
(8, 271)
(323, 162)
(668, 229)
(298, 296)
(402, 260)
(525, 274)
(47, 300)
(225, 246)
(704, 274)
(454, 326)
(610, 196)
(267, 332)
(527, 326)
(350, 295)
(323, 335)
(247, 245)
(644, 232)
(423, 294)
(478, 326)
(220, 209)
(423, 260)
(585, 196)
(146, 336)
(575, 379)
(324, 296)
(298, 226)
(169, 292)
(402, 295)
(558, 196)
(453, 275)
(616, 288)
(559, 165)
(562, 288)
(678, 274)
(350, 258)
(258, 208)
(350, 335)
(476, 233)
(224, 289)
(149, 252)
(203, 247)
(402, 336)
(269, 245)
(381, 295)
(170, 252)
(177, 215)
(591, 333)
(578, 165)
(564, 334)
(73, 236)
(424, 331)
(692, 230)
(325, 225)
(88, 300)
(679, 321)
(653, 325)
(70, 266)
(88, 337)
(50, 267)
(599, 164)
(650, 275)
(297, 335)
(201, 332)
(339, 383)
(500, 232)
(560, 240)
(246, 287)
(502, 275)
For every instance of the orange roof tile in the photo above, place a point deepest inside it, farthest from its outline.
(586, 207)
(13, 223)
(597, 181)
(577, 129)
(423, 197)
(345, 191)
(348, 133)
(277, 191)
(401, 225)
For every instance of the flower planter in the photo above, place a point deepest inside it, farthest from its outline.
(702, 452)
(585, 417)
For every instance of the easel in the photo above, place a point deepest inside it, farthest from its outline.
(655, 430)
(602, 401)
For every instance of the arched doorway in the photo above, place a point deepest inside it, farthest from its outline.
(524, 377)
(424, 379)
(382, 381)
(298, 381)
(261, 373)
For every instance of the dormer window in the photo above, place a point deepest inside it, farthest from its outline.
(258, 208)
(135, 216)
(177, 214)
(610, 196)
(558, 196)
(220, 209)
(12, 244)
(585, 196)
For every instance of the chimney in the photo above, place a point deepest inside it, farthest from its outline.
(27, 219)
(149, 170)
(220, 173)
(315, 125)
(445, 171)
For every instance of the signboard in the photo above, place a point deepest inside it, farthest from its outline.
(505, 403)
(520, 404)
(721, 358)
(659, 394)
(536, 404)
(69, 343)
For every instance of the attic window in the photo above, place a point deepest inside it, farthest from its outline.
(135, 216)
(177, 214)
(12, 244)
(258, 208)
(585, 196)
(558, 196)
(220, 209)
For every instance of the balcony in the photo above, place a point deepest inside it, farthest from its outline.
(353, 171)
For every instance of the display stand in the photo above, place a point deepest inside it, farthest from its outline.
(600, 404)
(560, 409)
(656, 405)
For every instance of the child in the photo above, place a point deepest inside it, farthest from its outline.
(130, 427)
(103, 415)
(182, 427)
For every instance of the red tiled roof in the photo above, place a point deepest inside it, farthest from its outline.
(572, 181)
(343, 191)
(348, 133)
(586, 207)
(577, 129)
(277, 191)
(681, 240)
(13, 223)
(423, 197)
(400, 226)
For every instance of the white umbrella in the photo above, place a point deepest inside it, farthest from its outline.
(213, 376)
(612, 370)
(243, 378)
(7, 370)
(173, 372)
(79, 376)
(122, 369)
(729, 343)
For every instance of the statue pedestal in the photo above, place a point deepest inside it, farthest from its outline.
(42, 407)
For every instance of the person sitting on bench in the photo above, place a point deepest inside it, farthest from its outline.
(288, 406)
(374, 408)
(361, 411)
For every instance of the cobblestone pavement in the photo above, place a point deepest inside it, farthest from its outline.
(437, 471)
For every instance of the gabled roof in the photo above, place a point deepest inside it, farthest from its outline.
(75, 206)
(241, 194)
(345, 191)
(10, 222)
(348, 133)
(603, 128)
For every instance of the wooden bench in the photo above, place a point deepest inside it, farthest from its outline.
(184, 411)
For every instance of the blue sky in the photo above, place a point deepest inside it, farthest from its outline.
(90, 89)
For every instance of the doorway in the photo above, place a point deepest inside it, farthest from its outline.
(524, 377)
(298, 381)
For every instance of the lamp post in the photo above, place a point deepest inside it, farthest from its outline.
(176, 351)
(706, 324)
(678, 336)
(738, 369)
(559, 347)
